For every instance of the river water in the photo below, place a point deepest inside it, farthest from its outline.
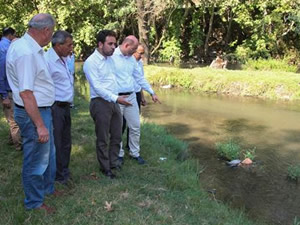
(273, 128)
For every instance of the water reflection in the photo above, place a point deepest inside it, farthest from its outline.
(272, 127)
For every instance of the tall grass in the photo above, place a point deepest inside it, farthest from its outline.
(281, 65)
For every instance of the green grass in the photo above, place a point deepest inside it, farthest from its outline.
(229, 149)
(264, 84)
(160, 192)
(269, 65)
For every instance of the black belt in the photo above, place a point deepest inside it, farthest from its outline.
(42, 107)
(62, 104)
(125, 93)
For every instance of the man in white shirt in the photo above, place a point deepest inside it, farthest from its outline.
(137, 88)
(56, 57)
(33, 95)
(104, 108)
(128, 73)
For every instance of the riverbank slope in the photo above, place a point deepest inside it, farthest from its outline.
(276, 85)
(166, 190)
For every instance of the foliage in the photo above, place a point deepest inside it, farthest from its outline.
(229, 149)
(250, 153)
(296, 221)
(294, 172)
(270, 64)
(171, 51)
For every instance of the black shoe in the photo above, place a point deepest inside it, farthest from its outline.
(140, 160)
(109, 174)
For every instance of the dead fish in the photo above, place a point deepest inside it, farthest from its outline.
(233, 163)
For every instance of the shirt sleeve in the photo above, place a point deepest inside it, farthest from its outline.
(3, 81)
(140, 79)
(90, 70)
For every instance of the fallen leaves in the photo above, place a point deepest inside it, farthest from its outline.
(108, 206)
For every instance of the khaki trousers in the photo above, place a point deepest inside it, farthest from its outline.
(14, 131)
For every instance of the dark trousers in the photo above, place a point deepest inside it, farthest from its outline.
(139, 100)
(61, 117)
(108, 127)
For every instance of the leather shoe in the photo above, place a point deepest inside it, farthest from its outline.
(48, 209)
(139, 159)
(109, 174)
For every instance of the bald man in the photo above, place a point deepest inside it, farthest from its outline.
(34, 94)
(127, 73)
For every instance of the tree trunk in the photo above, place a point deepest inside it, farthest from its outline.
(211, 21)
(228, 34)
(143, 27)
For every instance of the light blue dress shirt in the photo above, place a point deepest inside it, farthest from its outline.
(128, 72)
(4, 86)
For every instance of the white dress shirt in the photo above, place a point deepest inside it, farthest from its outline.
(127, 71)
(62, 78)
(27, 69)
(100, 73)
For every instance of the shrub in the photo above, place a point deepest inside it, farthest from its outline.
(229, 149)
(294, 172)
(171, 51)
(250, 153)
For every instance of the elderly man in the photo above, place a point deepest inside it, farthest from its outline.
(5, 91)
(100, 73)
(62, 46)
(128, 72)
(33, 95)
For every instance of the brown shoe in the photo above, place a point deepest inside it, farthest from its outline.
(48, 209)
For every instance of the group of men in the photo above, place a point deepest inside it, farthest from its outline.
(42, 91)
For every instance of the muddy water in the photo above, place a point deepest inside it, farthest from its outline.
(262, 190)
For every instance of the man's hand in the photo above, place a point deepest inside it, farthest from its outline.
(155, 98)
(123, 100)
(43, 134)
(6, 102)
(143, 102)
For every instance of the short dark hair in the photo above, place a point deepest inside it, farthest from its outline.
(101, 36)
(7, 31)
(60, 36)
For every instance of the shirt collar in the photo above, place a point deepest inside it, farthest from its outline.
(5, 39)
(99, 55)
(36, 47)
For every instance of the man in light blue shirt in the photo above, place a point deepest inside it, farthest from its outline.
(127, 74)
(104, 108)
(5, 91)
(56, 57)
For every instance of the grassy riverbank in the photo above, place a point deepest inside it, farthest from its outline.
(264, 84)
(161, 192)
